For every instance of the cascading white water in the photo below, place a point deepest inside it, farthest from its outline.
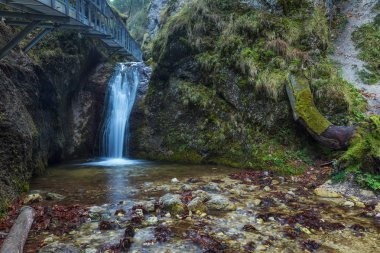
(121, 97)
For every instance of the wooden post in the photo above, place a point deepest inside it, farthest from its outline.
(15, 241)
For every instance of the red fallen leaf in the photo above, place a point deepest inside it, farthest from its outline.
(186, 197)
(207, 242)
(249, 228)
(311, 245)
(162, 233)
(253, 177)
(106, 225)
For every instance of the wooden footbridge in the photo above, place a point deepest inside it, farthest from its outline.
(93, 18)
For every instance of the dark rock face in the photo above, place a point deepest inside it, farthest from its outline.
(49, 111)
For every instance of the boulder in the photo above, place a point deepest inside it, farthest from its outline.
(220, 203)
(172, 203)
(196, 204)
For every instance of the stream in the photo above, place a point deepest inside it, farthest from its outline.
(165, 207)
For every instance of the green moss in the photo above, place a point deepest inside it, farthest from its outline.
(222, 98)
(4, 204)
(363, 155)
(307, 111)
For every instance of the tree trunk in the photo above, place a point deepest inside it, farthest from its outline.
(15, 241)
(306, 113)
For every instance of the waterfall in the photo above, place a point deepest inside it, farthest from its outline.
(121, 97)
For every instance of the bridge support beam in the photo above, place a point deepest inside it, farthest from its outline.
(37, 39)
(48, 25)
(13, 43)
(31, 16)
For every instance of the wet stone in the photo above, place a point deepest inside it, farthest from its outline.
(57, 247)
(196, 204)
(220, 203)
(33, 198)
(54, 196)
(321, 192)
(212, 187)
(172, 203)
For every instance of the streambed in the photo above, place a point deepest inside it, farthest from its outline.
(160, 207)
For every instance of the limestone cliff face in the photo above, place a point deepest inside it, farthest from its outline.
(50, 109)
(217, 92)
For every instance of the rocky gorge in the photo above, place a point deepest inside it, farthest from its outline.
(214, 159)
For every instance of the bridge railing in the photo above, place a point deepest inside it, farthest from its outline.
(102, 18)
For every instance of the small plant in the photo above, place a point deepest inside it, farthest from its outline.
(370, 181)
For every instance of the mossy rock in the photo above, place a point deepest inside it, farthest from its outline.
(364, 151)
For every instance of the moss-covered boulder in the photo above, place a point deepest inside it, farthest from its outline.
(172, 203)
(364, 151)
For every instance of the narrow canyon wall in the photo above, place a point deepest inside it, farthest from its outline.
(50, 106)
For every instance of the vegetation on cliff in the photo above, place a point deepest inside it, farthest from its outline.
(218, 87)
(367, 39)
(363, 156)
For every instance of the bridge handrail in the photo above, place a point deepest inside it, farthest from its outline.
(103, 19)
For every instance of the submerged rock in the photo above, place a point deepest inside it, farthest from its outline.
(57, 247)
(213, 187)
(322, 192)
(201, 194)
(172, 203)
(348, 204)
(33, 198)
(220, 203)
(148, 205)
(196, 204)
(152, 220)
(175, 181)
(54, 196)
(377, 208)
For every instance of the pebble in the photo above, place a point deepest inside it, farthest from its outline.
(139, 212)
(377, 208)
(275, 182)
(348, 204)
(257, 202)
(168, 215)
(321, 192)
(261, 248)
(252, 188)
(260, 221)
(360, 204)
(152, 220)
(267, 188)
(54, 196)
(175, 180)
(33, 198)
(186, 187)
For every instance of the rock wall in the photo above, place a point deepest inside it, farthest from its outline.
(50, 107)
(217, 93)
